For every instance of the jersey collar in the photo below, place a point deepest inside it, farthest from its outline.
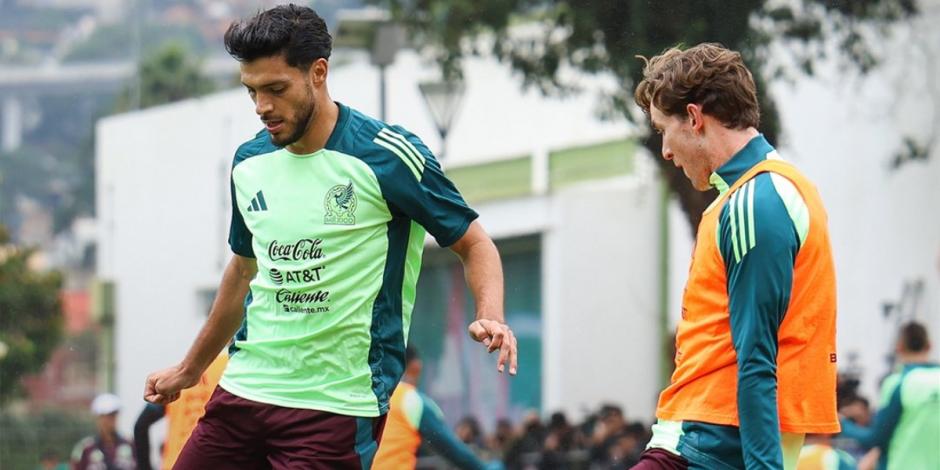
(339, 128)
(753, 153)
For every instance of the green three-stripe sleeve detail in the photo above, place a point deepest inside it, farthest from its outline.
(742, 222)
(750, 215)
(734, 228)
(394, 149)
(409, 147)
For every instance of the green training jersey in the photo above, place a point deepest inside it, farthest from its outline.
(338, 237)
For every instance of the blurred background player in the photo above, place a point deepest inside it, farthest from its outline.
(106, 450)
(413, 419)
(907, 425)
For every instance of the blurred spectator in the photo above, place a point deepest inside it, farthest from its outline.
(561, 439)
(468, 431)
(106, 450)
(503, 437)
(624, 451)
(602, 441)
(609, 427)
(525, 452)
(907, 425)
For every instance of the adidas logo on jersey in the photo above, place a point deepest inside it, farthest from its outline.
(257, 203)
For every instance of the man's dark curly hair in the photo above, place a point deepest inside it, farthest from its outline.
(296, 32)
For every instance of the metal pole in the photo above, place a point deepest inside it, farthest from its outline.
(443, 133)
(136, 54)
(382, 93)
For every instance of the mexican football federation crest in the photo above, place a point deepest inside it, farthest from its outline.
(340, 205)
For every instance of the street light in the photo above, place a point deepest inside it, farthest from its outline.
(443, 99)
(374, 30)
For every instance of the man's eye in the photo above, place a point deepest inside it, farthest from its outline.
(278, 90)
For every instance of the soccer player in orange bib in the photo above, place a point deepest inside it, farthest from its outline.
(755, 349)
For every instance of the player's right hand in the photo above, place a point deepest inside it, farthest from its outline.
(164, 387)
(496, 336)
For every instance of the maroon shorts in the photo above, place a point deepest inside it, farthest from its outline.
(236, 433)
(659, 459)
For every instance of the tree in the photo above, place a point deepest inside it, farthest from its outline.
(606, 37)
(30, 316)
(166, 75)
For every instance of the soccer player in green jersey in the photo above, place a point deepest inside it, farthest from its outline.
(907, 426)
(330, 211)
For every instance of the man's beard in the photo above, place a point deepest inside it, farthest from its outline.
(305, 113)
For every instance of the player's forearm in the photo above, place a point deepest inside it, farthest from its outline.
(436, 434)
(757, 415)
(882, 427)
(225, 317)
(483, 271)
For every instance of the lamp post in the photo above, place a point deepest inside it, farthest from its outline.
(371, 29)
(443, 99)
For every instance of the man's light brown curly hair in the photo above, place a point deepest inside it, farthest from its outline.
(708, 75)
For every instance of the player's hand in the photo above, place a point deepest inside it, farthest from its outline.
(164, 387)
(496, 336)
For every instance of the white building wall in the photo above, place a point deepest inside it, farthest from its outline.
(601, 299)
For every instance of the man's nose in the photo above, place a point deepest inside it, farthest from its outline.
(263, 105)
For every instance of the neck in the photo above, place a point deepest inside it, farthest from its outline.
(410, 380)
(727, 142)
(914, 358)
(321, 126)
(106, 436)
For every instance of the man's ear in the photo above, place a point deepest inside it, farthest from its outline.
(695, 116)
(318, 71)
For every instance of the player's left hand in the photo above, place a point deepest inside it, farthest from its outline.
(496, 336)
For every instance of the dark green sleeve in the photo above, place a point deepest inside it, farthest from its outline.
(415, 186)
(239, 237)
(758, 243)
(435, 433)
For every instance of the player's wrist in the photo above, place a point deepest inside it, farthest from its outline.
(498, 318)
(188, 374)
